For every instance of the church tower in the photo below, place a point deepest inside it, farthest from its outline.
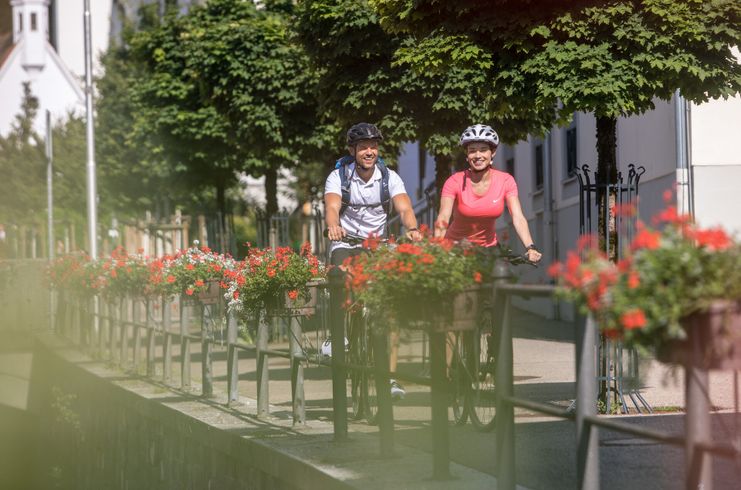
(31, 33)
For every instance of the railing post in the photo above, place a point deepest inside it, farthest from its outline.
(297, 372)
(115, 323)
(505, 430)
(167, 349)
(136, 314)
(337, 332)
(207, 379)
(263, 374)
(150, 327)
(440, 435)
(232, 359)
(698, 464)
(104, 326)
(184, 345)
(124, 332)
(379, 337)
(587, 441)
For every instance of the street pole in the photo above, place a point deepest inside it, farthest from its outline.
(92, 193)
(50, 209)
(92, 218)
(49, 195)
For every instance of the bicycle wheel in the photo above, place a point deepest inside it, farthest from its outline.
(481, 400)
(369, 377)
(355, 356)
(460, 380)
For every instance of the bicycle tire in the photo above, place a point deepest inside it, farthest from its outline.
(355, 357)
(369, 378)
(460, 380)
(481, 397)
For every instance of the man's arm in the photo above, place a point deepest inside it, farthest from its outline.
(332, 205)
(403, 206)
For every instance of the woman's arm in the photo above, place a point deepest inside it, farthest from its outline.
(443, 216)
(522, 228)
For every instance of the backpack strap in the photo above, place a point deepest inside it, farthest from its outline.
(385, 196)
(341, 165)
(385, 192)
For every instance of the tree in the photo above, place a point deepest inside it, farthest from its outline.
(226, 90)
(22, 165)
(551, 59)
(359, 81)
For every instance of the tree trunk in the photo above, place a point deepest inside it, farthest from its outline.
(442, 172)
(221, 216)
(607, 174)
(271, 192)
(607, 234)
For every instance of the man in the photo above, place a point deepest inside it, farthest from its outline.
(357, 198)
(366, 212)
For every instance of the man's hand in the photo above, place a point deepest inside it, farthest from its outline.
(414, 235)
(335, 233)
(533, 255)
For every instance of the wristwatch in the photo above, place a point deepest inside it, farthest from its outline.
(532, 247)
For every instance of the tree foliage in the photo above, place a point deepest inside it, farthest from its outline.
(224, 90)
(360, 81)
(610, 58)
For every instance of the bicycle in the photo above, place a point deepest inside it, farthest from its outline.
(360, 354)
(473, 362)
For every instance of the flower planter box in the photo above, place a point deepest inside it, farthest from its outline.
(716, 334)
(210, 296)
(463, 314)
(303, 305)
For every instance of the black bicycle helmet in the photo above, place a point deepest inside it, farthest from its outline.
(363, 131)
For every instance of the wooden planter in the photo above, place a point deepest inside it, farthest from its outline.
(211, 296)
(463, 314)
(715, 335)
(304, 305)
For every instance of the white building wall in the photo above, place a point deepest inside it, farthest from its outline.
(71, 33)
(54, 90)
(715, 159)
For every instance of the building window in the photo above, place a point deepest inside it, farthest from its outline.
(20, 22)
(33, 21)
(539, 166)
(571, 152)
(509, 166)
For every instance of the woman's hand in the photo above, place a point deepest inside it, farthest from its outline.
(533, 255)
(441, 226)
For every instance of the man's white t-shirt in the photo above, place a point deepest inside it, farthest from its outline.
(363, 220)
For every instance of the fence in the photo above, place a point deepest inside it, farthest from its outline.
(118, 325)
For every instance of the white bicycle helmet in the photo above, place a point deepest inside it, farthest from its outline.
(480, 132)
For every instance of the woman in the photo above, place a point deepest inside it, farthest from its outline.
(476, 196)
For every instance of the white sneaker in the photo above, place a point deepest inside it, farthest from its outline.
(326, 348)
(397, 391)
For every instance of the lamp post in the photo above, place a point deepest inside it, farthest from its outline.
(92, 212)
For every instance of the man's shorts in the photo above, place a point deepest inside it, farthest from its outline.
(340, 254)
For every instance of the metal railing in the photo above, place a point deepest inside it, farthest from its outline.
(115, 333)
(118, 330)
(697, 441)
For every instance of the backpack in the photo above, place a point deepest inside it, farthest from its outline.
(385, 197)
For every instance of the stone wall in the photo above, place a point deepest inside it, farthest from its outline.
(98, 432)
